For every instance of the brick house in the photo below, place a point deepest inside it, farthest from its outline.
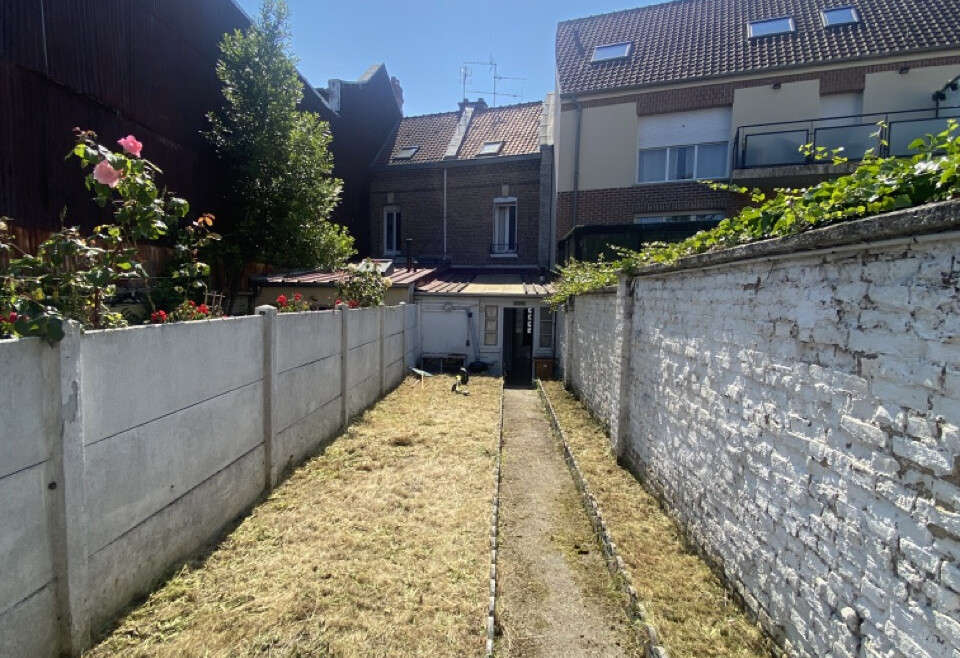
(650, 100)
(470, 192)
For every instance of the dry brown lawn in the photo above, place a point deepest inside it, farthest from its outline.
(377, 547)
(683, 598)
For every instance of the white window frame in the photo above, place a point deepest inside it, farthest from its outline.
(610, 51)
(666, 170)
(500, 246)
(825, 16)
(790, 27)
(544, 315)
(392, 219)
(493, 318)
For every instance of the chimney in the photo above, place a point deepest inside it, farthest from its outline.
(397, 91)
(478, 104)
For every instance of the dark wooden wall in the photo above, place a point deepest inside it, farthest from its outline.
(145, 67)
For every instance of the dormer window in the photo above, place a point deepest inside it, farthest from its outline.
(839, 16)
(767, 27)
(611, 51)
(490, 148)
(406, 153)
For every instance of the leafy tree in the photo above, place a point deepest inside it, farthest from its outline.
(280, 192)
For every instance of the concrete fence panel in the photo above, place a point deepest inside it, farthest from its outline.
(363, 368)
(155, 437)
(28, 597)
(412, 333)
(308, 409)
(124, 451)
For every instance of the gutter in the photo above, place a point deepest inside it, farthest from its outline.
(444, 213)
(576, 160)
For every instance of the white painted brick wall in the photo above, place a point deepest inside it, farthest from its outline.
(800, 415)
(594, 355)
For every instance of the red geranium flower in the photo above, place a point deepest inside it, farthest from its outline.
(281, 300)
(297, 297)
(353, 303)
(203, 309)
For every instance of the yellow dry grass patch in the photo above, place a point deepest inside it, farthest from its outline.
(684, 599)
(377, 547)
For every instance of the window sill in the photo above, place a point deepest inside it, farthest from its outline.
(511, 254)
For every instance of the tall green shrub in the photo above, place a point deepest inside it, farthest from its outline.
(280, 191)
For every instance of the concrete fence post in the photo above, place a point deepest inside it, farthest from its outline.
(65, 484)
(344, 360)
(383, 380)
(403, 306)
(568, 338)
(624, 338)
(269, 315)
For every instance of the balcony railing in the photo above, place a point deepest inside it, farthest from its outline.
(778, 144)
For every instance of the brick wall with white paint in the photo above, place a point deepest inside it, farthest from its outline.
(798, 413)
(594, 364)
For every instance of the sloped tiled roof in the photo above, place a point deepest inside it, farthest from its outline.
(431, 133)
(691, 39)
(517, 126)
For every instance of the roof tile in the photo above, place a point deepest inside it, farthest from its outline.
(690, 39)
(517, 126)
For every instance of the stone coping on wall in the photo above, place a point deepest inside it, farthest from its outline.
(901, 224)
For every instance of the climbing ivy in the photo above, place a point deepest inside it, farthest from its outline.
(878, 185)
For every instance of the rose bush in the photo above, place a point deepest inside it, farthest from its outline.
(363, 285)
(72, 276)
(295, 305)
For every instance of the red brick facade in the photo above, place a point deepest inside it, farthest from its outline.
(471, 190)
(720, 94)
(620, 205)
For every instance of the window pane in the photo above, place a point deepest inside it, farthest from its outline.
(712, 160)
(652, 165)
(546, 327)
(610, 51)
(681, 163)
(771, 26)
(839, 16)
(490, 314)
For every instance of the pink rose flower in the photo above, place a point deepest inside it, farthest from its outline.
(104, 174)
(131, 145)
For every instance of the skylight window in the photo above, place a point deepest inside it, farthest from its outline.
(611, 51)
(839, 16)
(406, 153)
(490, 148)
(783, 25)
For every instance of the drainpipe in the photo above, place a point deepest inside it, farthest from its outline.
(576, 161)
(444, 213)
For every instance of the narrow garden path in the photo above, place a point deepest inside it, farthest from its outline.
(556, 597)
(683, 599)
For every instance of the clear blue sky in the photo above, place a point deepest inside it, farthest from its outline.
(425, 42)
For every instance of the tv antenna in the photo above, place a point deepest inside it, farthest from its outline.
(466, 74)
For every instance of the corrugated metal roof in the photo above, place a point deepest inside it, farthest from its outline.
(488, 283)
(399, 276)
